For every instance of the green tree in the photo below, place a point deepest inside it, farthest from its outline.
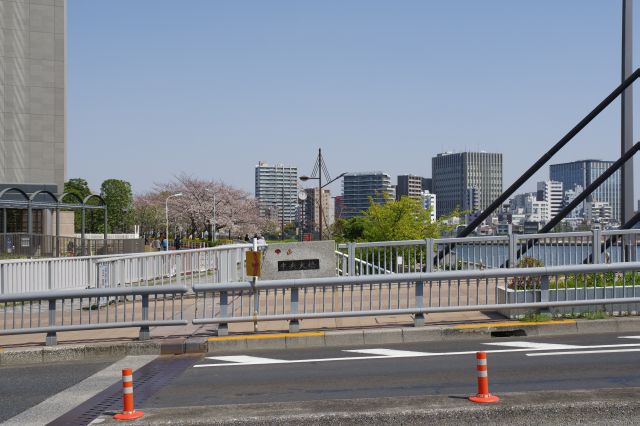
(79, 187)
(404, 219)
(118, 196)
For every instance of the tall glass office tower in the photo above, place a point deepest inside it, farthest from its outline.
(466, 180)
(583, 173)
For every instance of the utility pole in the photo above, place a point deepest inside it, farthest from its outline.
(319, 168)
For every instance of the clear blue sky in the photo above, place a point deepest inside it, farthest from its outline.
(207, 87)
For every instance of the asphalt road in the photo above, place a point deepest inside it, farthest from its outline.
(447, 369)
(449, 373)
(23, 387)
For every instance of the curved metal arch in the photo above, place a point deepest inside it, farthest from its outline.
(73, 194)
(24, 194)
(90, 196)
(43, 191)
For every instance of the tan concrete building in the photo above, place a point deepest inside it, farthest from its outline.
(32, 94)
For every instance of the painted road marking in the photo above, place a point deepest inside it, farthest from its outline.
(628, 337)
(388, 352)
(58, 404)
(604, 351)
(382, 353)
(245, 359)
(533, 345)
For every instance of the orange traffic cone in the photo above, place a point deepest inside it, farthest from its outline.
(483, 394)
(128, 411)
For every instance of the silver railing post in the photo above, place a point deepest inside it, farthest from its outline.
(223, 327)
(294, 324)
(513, 250)
(144, 330)
(418, 320)
(178, 268)
(544, 292)
(50, 274)
(351, 250)
(52, 339)
(428, 243)
(596, 246)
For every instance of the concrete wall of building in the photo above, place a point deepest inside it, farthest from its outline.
(66, 223)
(32, 92)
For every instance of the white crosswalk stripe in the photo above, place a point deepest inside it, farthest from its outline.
(388, 352)
(533, 345)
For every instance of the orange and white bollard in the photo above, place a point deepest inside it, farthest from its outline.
(128, 411)
(483, 394)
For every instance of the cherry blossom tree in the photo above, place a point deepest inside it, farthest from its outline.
(236, 210)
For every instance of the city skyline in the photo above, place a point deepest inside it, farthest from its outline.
(271, 83)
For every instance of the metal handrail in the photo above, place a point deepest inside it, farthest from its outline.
(420, 276)
(92, 293)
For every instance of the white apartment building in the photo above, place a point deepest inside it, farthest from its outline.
(429, 202)
(277, 191)
(551, 192)
(598, 212)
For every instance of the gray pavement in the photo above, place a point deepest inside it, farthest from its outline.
(556, 379)
(447, 369)
(613, 407)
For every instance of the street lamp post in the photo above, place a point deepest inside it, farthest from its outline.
(321, 167)
(166, 215)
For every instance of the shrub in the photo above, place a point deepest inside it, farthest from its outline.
(526, 282)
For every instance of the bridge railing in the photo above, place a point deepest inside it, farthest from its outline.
(613, 287)
(491, 252)
(215, 264)
(188, 267)
(75, 310)
(512, 291)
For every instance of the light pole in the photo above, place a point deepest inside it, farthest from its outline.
(166, 215)
(320, 167)
(213, 215)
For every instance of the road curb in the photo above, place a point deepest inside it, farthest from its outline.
(337, 338)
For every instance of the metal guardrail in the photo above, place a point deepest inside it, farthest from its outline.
(477, 253)
(419, 293)
(222, 263)
(56, 311)
(215, 264)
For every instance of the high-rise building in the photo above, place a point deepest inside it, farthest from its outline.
(583, 173)
(427, 184)
(429, 202)
(409, 186)
(568, 197)
(358, 188)
(32, 95)
(551, 192)
(312, 209)
(471, 201)
(277, 191)
(597, 212)
(454, 174)
(536, 210)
